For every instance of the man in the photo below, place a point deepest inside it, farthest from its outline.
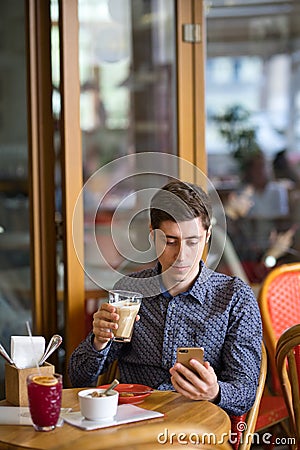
(185, 304)
(257, 256)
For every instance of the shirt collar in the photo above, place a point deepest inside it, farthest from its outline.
(199, 288)
(196, 290)
(166, 293)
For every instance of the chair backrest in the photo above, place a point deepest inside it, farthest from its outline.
(288, 368)
(241, 440)
(279, 302)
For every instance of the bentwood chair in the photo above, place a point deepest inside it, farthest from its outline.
(279, 302)
(244, 426)
(288, 369)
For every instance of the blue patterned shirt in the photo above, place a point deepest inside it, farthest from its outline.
(219, 313)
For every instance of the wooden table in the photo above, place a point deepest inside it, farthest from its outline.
(181, 416)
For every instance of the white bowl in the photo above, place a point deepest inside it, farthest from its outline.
(98, 408)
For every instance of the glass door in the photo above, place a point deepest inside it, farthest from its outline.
(15, 268)
(127, 58)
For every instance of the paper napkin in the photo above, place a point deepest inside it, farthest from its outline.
(125, 414)
(20, 415)
(26, 351)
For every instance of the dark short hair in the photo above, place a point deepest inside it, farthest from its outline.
(179, 201)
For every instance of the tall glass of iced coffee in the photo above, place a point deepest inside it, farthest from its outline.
(127, 305)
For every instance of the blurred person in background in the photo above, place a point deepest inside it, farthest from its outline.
(284, 171)
(270, 198)
(256, 259)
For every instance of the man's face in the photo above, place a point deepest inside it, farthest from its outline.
(179, 247)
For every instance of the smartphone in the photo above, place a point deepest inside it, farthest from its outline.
(185, 354)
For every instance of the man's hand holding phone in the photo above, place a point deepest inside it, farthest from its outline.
(185, 354)
(193, 377)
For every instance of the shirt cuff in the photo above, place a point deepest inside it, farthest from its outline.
(101, 353)
(217, 399)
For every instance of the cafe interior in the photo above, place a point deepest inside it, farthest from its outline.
(102, 102)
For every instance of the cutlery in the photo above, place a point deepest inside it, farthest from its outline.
(110, 387)
(136, 392)
(53, 345)
(107, 390)
(5, 355)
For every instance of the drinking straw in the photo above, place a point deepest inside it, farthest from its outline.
(33, 348)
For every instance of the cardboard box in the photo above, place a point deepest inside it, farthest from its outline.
(15, 382)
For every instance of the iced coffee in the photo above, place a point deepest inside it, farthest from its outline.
(127, 305)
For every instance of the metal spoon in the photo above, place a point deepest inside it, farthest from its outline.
(110, 387)
(5, 355)
(54, 343)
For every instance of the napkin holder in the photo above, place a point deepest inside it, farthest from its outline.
(15, 382)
